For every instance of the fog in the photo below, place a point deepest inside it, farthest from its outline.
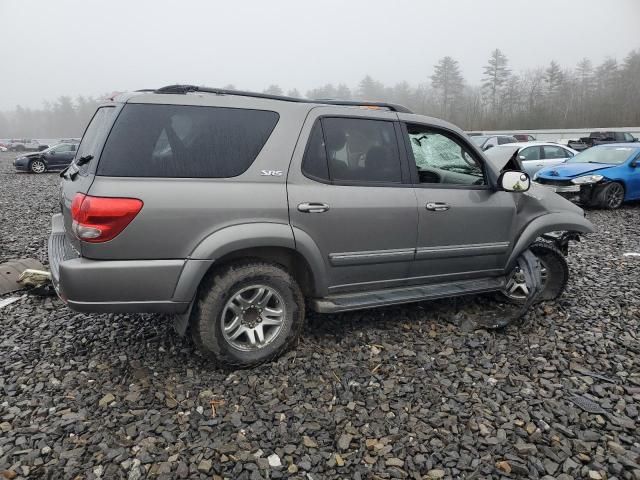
(77, 47)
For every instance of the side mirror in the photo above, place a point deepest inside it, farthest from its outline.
(634, 163)
(522, 157)
(487, 147)
(514, 181)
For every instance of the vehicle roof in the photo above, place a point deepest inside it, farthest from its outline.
(205, 96)
(249, 100)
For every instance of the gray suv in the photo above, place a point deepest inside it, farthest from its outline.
(236, 211)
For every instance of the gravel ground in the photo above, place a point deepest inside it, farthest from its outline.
(404, 392)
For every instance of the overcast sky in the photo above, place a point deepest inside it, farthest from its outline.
(79, 47)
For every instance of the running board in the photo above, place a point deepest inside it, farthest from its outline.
(394, 296)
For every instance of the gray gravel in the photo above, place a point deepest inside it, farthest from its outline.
(401, 392)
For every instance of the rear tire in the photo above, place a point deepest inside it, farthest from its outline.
(555, 273)
(247, 314)
(610, 196)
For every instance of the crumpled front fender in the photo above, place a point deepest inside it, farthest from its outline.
(551, 222)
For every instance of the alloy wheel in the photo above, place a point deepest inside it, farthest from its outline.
(516, 288)
(615, 195)
(38, 166)
(253, 317)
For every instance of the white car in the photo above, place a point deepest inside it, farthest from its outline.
(532, 155)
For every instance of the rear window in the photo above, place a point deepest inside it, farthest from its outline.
(96, 132)
(185, 141)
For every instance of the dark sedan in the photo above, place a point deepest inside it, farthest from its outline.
(57, 157)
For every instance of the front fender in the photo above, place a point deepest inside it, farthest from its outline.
(551, 222)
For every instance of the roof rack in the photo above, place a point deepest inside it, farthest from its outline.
(183, 89)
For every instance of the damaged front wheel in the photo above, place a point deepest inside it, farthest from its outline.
(554, 275)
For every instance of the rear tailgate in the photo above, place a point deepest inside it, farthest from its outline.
(79, 179)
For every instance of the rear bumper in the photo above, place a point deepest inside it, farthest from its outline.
(112, 285)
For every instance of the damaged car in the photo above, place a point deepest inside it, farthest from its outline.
(604, 176)
(236, 211)
(57, 157)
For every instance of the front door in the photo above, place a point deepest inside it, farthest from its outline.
(349, 193)
(464, 225)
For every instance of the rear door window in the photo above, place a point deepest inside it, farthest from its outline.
(185, 141)
(314, 164)
(361, 150)
(530, 153)
(554, 152)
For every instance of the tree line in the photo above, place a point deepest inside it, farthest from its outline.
(551, 96)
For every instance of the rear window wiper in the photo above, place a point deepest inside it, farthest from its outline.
(73, 169)
(84, 160)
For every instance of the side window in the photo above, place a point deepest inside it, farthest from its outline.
(554, 152)
(628, 137)
(440, 159)
(165, 141)
(361, 150)
(314, 163)
(64, 148)
(530, 153)
(503, 140)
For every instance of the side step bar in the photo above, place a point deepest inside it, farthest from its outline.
(394, 296)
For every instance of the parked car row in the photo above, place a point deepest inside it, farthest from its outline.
(486, 142)
(24, 145)
(601, 138)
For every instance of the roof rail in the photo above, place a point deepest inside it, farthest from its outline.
(182, 89)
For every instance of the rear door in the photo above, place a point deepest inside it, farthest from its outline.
(554, 155)
(349, 192)
(464, 226)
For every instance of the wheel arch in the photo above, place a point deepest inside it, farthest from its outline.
(269, 242)
(552, 222)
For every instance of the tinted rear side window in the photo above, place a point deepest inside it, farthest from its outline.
(361, 150)
(185, 141)
(314, 164)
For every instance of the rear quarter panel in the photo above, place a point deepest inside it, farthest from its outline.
(180, 213)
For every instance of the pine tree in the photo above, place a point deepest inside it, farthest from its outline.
(496, 74)
(448, 81)
(554, 77)
(273, 90)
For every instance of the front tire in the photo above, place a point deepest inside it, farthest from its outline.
(610, 196)
(555, 275)
(37, 166)
(247, 314)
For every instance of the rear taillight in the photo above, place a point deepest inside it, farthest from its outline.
(100, 219)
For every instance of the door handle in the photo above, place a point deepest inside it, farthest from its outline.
(438, 206)
(313, 207)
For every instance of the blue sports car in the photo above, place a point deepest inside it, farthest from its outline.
(602, 176)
